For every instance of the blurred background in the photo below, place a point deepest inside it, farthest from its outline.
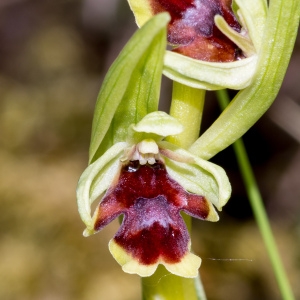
(53, 57)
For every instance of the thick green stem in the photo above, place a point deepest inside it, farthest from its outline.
(259, 210)
(187, 107)
(165, 286)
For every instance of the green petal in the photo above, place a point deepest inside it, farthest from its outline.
(243, 42)
(131, 87)
(96, 178)
(197, 175)
(209, 75)
(254, 15)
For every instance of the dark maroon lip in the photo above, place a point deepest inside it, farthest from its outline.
(151, 201)
(192, 30)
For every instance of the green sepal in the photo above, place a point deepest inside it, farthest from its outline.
(251, 103)
(209, 75)
(95, 180)
(197, 175)
(131, 87)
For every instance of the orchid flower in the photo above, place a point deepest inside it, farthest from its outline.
(215, 44)
(149, 181)
(136, 173)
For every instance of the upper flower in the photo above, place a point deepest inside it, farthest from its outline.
(149, 181)
(193, 32)
(205, 34)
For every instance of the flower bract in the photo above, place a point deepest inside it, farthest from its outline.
(150, 182)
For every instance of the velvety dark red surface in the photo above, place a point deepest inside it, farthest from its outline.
(151, 201)
(174, 7)
(193, 32)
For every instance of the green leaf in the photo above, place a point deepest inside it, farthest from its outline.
(251, 103)
(131, 87)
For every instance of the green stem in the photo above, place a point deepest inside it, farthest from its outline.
(259, 210)
(165, 286)
(187, 107)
